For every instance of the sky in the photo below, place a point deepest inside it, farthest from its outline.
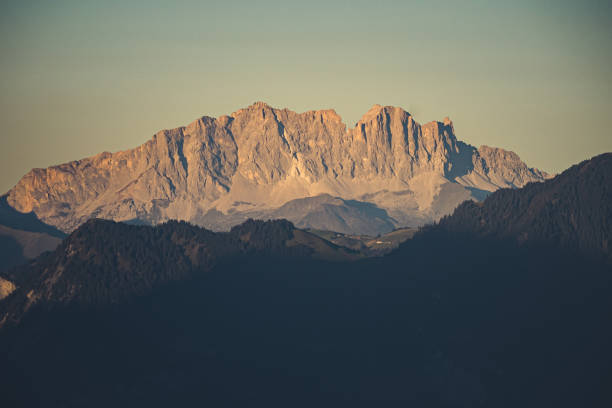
(82, 77)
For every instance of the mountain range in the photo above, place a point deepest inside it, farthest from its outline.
(387, 171)
(103, 261)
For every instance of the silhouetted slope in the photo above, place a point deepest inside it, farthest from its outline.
(106, 262)
(11, 253)
(572, 210)
(513, 328)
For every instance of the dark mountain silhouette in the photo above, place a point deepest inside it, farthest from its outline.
(105, 262)
(127, 315)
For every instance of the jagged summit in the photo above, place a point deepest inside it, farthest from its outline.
(260, 108)
(217, 172)
(260, 104)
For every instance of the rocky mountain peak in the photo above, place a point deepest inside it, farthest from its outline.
(381, 113)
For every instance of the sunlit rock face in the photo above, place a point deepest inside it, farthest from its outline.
(257, 161)
(6, 288)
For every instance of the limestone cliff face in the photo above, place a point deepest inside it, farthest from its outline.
(258, 159)
(505, 166)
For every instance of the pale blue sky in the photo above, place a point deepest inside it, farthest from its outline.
(81, 77)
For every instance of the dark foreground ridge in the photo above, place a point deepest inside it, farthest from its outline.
(458, 316)
(573, 211)
(105, 262)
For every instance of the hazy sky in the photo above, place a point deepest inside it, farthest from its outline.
(82, 77)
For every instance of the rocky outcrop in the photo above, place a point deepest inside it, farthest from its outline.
(6, 288)
(260, 158)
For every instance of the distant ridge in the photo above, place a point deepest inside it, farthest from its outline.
(217, 172)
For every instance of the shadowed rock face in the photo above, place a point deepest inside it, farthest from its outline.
(260, 158)
(18, 246)
(23, 236)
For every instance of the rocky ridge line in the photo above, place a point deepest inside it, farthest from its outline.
(259, 158)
